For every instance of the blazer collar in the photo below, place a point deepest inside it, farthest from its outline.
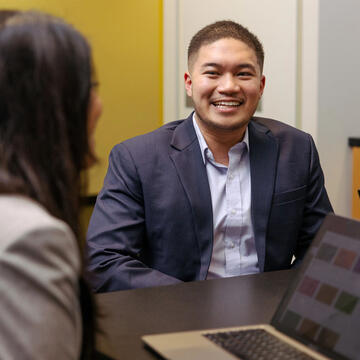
(184, 134)
(186, 156)
(263, 166)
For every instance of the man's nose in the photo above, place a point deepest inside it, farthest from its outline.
(229, 84)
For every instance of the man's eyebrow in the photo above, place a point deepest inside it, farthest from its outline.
(239, 66)
(246, 65)
(210, 64)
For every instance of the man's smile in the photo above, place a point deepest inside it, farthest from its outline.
(227, 103)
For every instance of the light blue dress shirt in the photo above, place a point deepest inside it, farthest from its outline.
(234, 251)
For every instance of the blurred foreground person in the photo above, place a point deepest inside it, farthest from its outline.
(48, 112)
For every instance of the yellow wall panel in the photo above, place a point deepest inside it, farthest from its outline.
(126, 37)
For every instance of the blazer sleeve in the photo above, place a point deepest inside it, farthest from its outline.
(40, 311)
(317, 204)
(117, 230)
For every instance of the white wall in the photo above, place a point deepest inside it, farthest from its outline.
(339, 95)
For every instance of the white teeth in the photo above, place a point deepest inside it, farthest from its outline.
(227, 103)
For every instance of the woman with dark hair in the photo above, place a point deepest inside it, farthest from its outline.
(48, 112)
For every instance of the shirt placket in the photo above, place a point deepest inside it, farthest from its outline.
(234, 215)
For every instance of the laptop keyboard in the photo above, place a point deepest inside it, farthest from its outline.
(256, 345)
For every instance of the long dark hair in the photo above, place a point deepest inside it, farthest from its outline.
(45, 84)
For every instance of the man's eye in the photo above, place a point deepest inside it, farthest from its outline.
(212, 73)
(244, 73)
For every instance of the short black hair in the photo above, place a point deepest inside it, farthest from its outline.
(221, 30)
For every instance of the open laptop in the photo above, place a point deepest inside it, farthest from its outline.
(318, 317)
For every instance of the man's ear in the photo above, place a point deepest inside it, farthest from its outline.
(262, 84)
(188, 84)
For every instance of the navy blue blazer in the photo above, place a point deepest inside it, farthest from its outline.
(152, 222)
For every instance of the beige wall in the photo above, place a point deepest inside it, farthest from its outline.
(126, 37)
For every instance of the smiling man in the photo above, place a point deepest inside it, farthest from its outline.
(221, 193)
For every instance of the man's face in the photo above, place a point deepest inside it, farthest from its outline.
(225, 84)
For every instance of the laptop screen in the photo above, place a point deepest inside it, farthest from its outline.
(322, 307)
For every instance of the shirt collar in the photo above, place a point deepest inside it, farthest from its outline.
(202, 142)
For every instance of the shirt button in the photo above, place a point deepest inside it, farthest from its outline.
(231, 176)
(233, 211)
(232, 245)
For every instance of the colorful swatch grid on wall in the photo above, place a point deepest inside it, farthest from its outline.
(326, 305)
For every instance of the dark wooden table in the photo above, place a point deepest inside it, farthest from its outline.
(127, 315)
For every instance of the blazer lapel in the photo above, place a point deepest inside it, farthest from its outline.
(263, 165)
(186, 155)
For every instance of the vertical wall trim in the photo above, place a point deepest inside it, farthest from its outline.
(177, 57)
(310, 67)
(298, 90)
(161, 62)
(170, 60)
